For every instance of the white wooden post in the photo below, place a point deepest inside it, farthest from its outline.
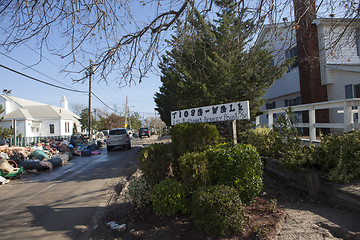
(312, 121)
(257, 121)
(270, 120)
(234, 132)
(347, 116)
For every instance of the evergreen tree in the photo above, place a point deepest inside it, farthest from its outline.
(214, 64)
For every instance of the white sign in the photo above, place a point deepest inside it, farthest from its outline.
(215, 113)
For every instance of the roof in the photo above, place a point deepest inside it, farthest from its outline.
(40, 112)
(327, 21)
(20, 101)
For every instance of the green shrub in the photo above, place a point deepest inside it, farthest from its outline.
(139, 192)
(170, 197)
(218, 210)
(155, 162)
(297, 157)
(339, 157)
(267, 142)
(192, 137)
(194, 168)
(239, 166)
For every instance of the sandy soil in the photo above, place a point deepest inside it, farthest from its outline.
(307, 218)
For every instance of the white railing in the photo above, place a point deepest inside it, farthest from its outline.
(349, 106)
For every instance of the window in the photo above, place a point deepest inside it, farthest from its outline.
(271, 105)
(67, 127)
(357, 91)
(290, 53)
(292, 102)
(52, 128)
(352, 91)
(357, 40)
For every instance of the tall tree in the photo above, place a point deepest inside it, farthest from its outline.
(4, 132)
(114, 121)
(213, 64)
(135, 120)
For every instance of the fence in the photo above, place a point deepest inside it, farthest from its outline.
(351, 107)
(28, 141)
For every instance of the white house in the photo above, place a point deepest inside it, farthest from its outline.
(35, 119)
(336, 67)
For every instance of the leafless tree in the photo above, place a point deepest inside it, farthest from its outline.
(125, 36)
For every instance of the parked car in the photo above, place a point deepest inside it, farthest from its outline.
(118, 137)
(3, 141)
(144, 132)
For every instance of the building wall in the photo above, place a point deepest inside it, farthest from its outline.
(286, 85)
(8, 106)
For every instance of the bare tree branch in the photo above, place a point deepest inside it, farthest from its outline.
(126, 37)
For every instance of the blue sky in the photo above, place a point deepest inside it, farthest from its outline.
(140, 96)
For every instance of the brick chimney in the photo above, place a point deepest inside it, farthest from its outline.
(308, 56)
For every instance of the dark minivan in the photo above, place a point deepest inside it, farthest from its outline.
(144, 132)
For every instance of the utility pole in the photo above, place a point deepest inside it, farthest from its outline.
(91, 72)
(126, 111)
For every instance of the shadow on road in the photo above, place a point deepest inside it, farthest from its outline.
(67, 220)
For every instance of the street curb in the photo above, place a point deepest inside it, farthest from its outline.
(94, 220)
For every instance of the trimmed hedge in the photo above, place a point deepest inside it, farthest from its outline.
(170, 197)
(194, 168)
(192, 137)
(218, 210)
(139, 192)
(155, 162)
(239, 166)
(267, 142)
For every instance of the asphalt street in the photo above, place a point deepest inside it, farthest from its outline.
(61, 203)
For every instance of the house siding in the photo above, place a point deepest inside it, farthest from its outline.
(279, 102)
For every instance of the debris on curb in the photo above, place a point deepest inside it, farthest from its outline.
(4, 180)
(119, 227)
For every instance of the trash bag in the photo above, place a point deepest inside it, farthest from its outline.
(56, 162)
(36, 164)
(86, 152)
(39, 154)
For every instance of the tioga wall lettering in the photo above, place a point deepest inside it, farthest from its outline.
(216, 113)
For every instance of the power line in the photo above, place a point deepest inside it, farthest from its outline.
(34, 69)
(38, 80)
(102, 102)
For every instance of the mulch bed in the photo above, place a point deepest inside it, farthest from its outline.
(263, 220)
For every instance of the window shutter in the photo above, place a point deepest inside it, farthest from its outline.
(286, 102)
(298, 101)
(348, 91)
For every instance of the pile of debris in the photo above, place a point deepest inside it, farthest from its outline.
(46, 155)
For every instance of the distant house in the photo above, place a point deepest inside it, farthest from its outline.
(333, 74)
(35, 119)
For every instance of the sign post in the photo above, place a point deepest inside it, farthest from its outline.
(216, 113)
(234, 132)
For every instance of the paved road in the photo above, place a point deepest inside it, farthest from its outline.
(60, 203)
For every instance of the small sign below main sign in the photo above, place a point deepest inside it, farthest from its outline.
(215, 113)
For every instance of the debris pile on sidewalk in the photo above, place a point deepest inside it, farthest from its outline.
(42, 156)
